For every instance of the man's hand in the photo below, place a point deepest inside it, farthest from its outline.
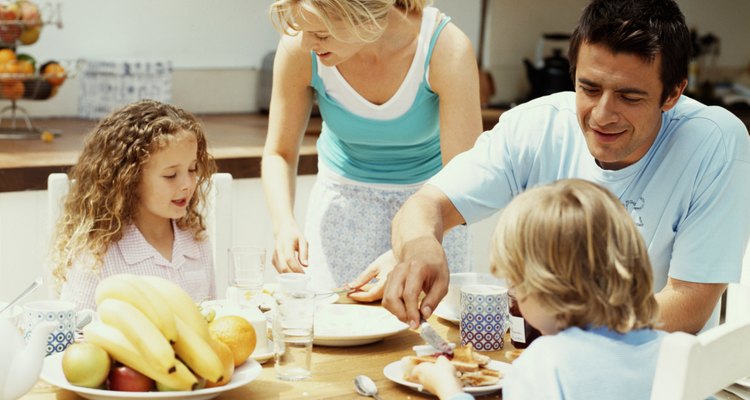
(379, 270)
(426, 270)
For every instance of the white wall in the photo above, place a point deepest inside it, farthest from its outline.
(217, 46)
(24, 240)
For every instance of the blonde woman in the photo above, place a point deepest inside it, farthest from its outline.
(134, 204)
(397, 86)
(579, 268)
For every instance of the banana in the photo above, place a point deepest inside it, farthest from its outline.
(140, 331)
(121, 349)
(131, 289)
(197, 353)
(181, 304)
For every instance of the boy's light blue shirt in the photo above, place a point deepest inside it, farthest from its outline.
(689, 195)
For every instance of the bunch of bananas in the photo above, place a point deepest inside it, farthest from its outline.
(153, 326)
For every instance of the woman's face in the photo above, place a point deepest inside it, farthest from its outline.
(317, 38)
(168, 180)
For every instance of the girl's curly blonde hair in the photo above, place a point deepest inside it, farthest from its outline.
(362, 19)
(572, 245)
(103, 195)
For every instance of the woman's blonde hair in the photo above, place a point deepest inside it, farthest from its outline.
(574, 248)
(103, 194)
(364, 20)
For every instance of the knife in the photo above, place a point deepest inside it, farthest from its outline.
(432, 338)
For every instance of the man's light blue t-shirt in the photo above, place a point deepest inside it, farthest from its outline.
(689, 195)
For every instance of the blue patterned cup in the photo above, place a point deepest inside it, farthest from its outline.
(484, 316)
(63, 313)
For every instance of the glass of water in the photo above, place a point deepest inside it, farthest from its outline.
(293, 334)
(246, 268)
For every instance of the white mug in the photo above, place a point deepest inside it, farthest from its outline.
(63, 313)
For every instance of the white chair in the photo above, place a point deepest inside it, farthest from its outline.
(696, 367)
(219, 225)
(218, 213)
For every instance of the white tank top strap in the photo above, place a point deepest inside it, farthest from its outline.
(339, 89)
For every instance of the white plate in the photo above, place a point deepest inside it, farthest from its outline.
(342, 325)
(52, 373)
(319, 300)
(447, 314)
(744, 382)
(395, 372)
(262, 357)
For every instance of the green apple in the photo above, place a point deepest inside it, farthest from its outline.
(86, 364)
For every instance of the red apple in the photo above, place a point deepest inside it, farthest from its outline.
(126, 379)
(29, 14)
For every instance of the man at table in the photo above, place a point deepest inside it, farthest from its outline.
(681, 168)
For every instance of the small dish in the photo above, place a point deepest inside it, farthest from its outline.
(266, 355)
(394, 371)
(447, 314)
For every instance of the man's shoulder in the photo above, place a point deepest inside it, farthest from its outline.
(553, 103)
(694, 115)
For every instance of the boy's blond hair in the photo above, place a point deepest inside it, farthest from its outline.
(363, 20)
(103, 194)
(572, 245)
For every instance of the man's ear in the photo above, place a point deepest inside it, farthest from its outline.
(674, 96)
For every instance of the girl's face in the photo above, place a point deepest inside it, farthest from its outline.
(317, 38)
(537, 316)
(168, 180)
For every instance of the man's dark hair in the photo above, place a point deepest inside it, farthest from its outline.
(641, 27)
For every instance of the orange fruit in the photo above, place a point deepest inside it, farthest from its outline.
(227, 360)
(235, 332)
(7, 55)
(26, 67)
(12, 90)
(54, 73)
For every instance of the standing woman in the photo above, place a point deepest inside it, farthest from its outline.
(397, 87)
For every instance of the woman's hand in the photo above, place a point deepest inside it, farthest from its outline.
(379, 270)
(438, 378)
(290, 250)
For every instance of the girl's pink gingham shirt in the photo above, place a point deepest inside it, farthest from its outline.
(191, 266)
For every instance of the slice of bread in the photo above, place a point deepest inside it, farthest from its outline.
(470, 366)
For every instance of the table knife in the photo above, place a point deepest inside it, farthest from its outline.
(432, 338)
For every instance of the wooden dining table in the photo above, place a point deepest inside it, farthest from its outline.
(333, 371)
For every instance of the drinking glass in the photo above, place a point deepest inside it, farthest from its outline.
(246, 267)
(293, 334)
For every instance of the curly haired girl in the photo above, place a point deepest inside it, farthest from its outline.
(134, 204)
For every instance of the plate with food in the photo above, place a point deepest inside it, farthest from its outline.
(479, 374)
(52, 373)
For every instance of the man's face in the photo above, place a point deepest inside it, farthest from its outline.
(618, 104)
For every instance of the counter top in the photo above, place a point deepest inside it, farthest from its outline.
(235, 140)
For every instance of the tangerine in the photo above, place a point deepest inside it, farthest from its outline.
(12, 90)
(237, 333)
(7, 55)
(54, 73)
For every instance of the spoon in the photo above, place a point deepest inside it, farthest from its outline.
(366, 387)
(37, 282)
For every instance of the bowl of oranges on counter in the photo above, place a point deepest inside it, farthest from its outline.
(22, 78)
